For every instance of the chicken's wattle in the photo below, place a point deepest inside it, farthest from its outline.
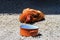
(28, 19)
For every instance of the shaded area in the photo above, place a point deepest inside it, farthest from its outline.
(16, 6)
(37, 21)
(37, 35)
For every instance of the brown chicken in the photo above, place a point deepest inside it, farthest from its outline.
(31, 15)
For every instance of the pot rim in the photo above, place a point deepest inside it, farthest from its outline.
(28, 26)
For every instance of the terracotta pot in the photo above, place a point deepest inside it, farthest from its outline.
(28, 30)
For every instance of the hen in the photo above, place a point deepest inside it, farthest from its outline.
(31, 15)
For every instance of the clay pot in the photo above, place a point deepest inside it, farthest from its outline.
(28, 30)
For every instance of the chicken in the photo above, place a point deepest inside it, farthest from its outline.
(31, 15)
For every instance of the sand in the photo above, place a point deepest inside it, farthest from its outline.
(49, 29)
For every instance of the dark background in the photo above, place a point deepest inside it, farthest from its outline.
(16, 6)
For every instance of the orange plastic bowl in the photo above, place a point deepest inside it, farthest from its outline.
(28, 30)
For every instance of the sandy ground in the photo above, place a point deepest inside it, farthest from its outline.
(49, 28)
